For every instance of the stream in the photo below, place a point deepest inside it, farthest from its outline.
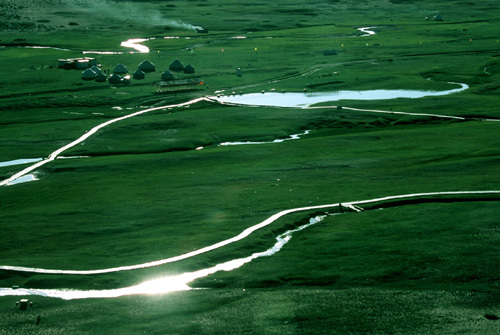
(165, 284)
(180, 282)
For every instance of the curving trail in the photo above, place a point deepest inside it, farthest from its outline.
(89, 133)
(213, 99)
(353, 205)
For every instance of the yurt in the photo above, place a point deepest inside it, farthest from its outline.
(438, 17)
(82, 64)
(139, 74)
(96, 69)
(189, 69)
(176, 65)
(167, 75)
(146, 66)
(88, 75)
(100, 77)
(330, 52)
(114, 79)
(120, 69)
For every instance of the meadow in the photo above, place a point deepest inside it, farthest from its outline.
(160, 184)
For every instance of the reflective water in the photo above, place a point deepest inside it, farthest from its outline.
(163, 284)
(45, 47)
(367, 31)
(24, 179)
(87, 134)
(20, 161)
(103, 52)
(134, 44)
(290, 99)
(179, 282)
(292, 137)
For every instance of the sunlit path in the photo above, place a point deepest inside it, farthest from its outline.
(180, 282)
(245, 233)
(85, 136)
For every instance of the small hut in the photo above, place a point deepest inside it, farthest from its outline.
(176, 65)
(96, 69)
(139, 74)
(330, 52)
(100, 77)
(167, 75)
(147, 66)
(114, 78)
(23, 304)
(88, 74)
(120, 69)
(189, 69)
(438, 17)
(82, 64)
(65, 64)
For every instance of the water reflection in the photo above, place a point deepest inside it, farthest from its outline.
(23, 179)
(366, 31)
(20, 161)
(294, 99)
(134, 44)
(292, 137)
(164, 284)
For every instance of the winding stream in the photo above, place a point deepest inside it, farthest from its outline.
(165, 284)
(292, 137)
(179, 282)
(87, 134)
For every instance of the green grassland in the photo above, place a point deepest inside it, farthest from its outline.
(142, 192)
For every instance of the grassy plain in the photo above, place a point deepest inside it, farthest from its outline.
(144, 193)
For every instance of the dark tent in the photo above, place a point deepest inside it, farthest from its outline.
(114, 79)
(100, 77)
(167, 75)
(120, 69)
(147, 66)
(329, 52)
(189, 69)
(176, 65)
(88, 75)
(438, 17)
(139, 74)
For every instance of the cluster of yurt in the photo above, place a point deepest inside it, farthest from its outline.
(94, 73)
(177, 66)
(121, 75)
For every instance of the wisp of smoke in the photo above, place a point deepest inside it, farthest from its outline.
(128, 11)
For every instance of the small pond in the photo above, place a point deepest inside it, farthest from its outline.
(294, 99)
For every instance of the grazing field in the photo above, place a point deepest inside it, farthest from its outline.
(178, 176)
